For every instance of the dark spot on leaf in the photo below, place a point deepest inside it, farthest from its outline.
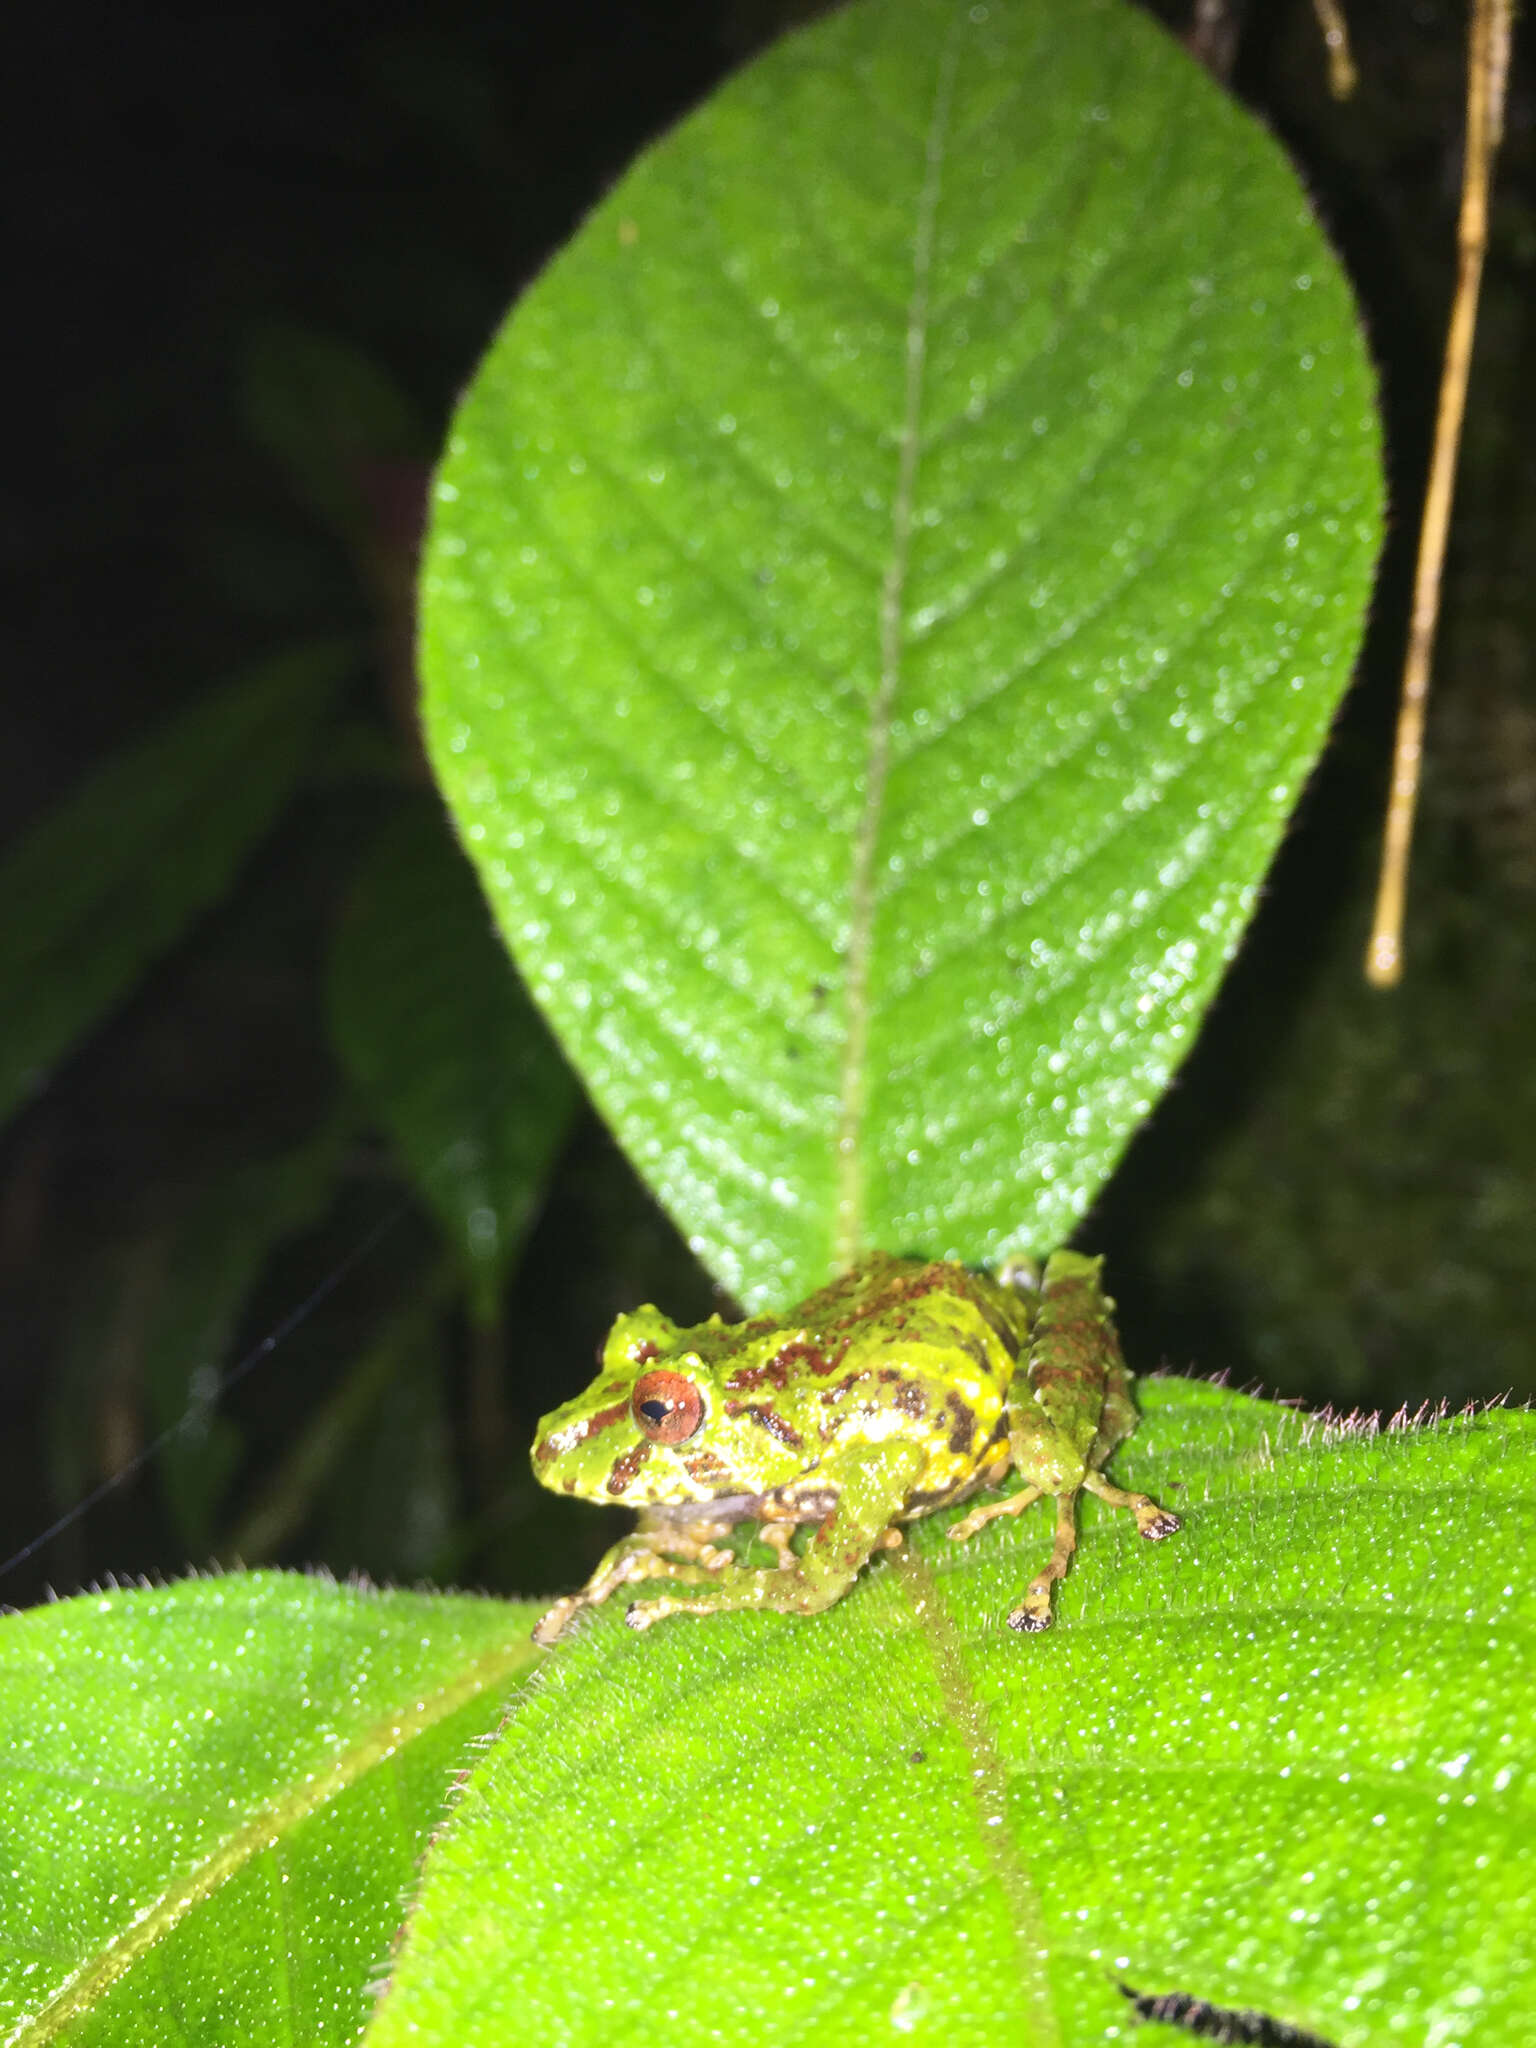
(919, 1756)
(1238, 2029)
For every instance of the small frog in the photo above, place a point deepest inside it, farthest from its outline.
(903, 1387)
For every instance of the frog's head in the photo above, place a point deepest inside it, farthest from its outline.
(657, 1426)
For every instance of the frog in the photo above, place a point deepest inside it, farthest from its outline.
(905, 1386)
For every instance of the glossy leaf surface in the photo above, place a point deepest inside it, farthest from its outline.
(889, 582)
(214, 1795)
(113, 877)
(1280, 1762)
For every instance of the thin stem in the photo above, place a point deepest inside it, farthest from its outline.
(1487, 69)
(1342, 75)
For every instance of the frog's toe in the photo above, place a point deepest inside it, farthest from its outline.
(552, 1624)
(1028, 1619)
(1158, 1524)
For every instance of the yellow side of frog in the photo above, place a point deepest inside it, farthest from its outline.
(905, 1386)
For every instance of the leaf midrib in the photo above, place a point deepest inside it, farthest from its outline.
(848, 1227)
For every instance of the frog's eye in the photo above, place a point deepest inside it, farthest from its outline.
(667, 1407)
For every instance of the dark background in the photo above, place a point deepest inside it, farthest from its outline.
(1337, 1199)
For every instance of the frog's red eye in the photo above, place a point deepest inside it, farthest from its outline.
(667, 1407)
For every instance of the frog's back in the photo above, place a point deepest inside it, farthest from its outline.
(923, 1350)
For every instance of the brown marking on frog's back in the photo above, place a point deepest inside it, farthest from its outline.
(1044, 1379)
(578, 1432)
(777, 1370)
(626, 1469)
(911, 1400)
(769, 1419)
(830, 1396)
(837, 1357)
(936, 1276)
(962, 1424)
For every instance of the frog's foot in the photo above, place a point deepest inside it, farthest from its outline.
(617, 1568)
(625, 1563)
(1152, 1521)
(644, 1613)
(554, 1621)
(1034, 1610)
(978, 1518)
(779, 1536)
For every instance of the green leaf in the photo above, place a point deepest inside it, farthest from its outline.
(1281, 1763)
(889, 583)
(112, 878)
(215, 1796)
(444, 1046)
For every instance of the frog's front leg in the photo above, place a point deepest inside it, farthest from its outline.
(673, 1549)
(871, 1483)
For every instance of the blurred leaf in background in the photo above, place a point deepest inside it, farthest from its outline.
(92, 897)
(453, 1061)
(445, 1049)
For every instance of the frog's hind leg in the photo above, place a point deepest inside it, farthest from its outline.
(1034, 1610)
(1152, 1521)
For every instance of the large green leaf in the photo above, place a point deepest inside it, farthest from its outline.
(213, 1797)
(444, 1046)
(1281, 1763)
(114, 876)
(889, 582)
